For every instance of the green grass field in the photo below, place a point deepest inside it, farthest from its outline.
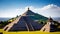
(27, 32)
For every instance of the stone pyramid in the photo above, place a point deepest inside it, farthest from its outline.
(25, 22)
(49, 26)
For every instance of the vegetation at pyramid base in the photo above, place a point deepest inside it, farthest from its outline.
(4, 23)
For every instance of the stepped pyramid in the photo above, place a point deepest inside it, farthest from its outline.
(25, 22)
(50, 26)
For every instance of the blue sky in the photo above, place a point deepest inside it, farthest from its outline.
(8, 7)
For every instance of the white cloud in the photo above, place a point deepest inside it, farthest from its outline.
(49, 10)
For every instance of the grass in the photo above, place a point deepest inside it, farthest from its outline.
(27, 32)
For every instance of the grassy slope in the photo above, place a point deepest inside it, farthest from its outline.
(32, 32)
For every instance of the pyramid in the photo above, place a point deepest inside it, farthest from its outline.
(49, 26)
(25, 22)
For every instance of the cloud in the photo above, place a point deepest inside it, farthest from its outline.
(49, 10)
